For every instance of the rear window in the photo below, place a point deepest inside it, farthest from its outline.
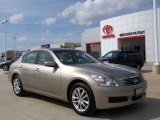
(30, 57)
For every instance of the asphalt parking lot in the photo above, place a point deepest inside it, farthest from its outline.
(36, 107)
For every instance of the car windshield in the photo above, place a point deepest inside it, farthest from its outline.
(74, 57)
(111, 55)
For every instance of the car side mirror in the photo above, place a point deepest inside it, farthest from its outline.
(50, 64)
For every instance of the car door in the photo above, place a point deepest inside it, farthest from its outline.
(47, 79)
(133, 57)
(123, 58)
(27, 68)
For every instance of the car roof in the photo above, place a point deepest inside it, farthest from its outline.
(124, 51)
(60, 49)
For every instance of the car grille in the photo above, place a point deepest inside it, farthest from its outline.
(132, 81)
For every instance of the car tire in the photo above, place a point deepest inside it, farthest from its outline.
(82, 99)
(138, 66)
(17, 86)
(5, 67)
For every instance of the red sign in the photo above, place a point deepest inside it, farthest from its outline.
(108, 30)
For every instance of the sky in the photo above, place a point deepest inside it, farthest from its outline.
(37, 22)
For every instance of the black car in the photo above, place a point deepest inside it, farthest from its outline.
(130, 58)
(5, 65)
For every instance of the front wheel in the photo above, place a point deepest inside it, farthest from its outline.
(17, 86)
(82, 99)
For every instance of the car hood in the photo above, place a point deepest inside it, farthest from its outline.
(111, 70)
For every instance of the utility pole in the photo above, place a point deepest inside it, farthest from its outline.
(4, 23)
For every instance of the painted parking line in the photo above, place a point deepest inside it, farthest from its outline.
(1, 72)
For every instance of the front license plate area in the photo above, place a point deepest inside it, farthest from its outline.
(138, 93)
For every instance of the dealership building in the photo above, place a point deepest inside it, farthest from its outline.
(133, 31)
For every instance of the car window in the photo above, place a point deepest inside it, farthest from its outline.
(31, 57)
(82, 58)
(111, 55)
(44, 56)
(123, 55)
(24, 58)
(133, 54)
(74, 57)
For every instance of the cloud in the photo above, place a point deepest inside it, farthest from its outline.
(1, 33)
(22, 38)
(16, 19)
(49, 21)
(41, 39)
(67, 37)
(47, 32)
(85, 13)
(22, 47)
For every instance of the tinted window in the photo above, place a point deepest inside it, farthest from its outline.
(111, 55)
(74, 57)
(133, 54)
(44, 56)
(31, 57)
(123, 55)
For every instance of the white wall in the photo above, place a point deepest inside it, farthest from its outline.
(130, 23)
(90, 35)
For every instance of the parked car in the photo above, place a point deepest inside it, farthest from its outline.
(129, 58)
(5, 65)
(78, 78)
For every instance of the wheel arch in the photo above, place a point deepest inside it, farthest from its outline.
(14, 74)
(74, 82)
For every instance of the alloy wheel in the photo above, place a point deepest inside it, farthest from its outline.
(80, 99)
(17, 86)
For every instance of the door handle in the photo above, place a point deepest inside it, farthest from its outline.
(37, 70)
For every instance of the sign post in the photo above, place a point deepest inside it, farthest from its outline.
(156, 66)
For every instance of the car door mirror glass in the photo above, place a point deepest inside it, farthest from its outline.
(50, 64)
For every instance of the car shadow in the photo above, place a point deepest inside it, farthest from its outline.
(146, 71)
(147, 109)
(48, 99)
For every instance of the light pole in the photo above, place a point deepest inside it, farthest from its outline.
(156, 66)
(4, 22)
(14, 38)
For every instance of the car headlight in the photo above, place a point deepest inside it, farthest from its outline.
(103, 81)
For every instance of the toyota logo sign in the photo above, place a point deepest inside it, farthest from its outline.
(108, 29)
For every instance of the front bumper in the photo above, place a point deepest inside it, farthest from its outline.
(112, 97)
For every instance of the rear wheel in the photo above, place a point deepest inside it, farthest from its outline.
(5, 67)
(82, 99)
(17, 86)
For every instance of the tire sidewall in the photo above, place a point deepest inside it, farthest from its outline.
(91, 106)
(21, 93)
